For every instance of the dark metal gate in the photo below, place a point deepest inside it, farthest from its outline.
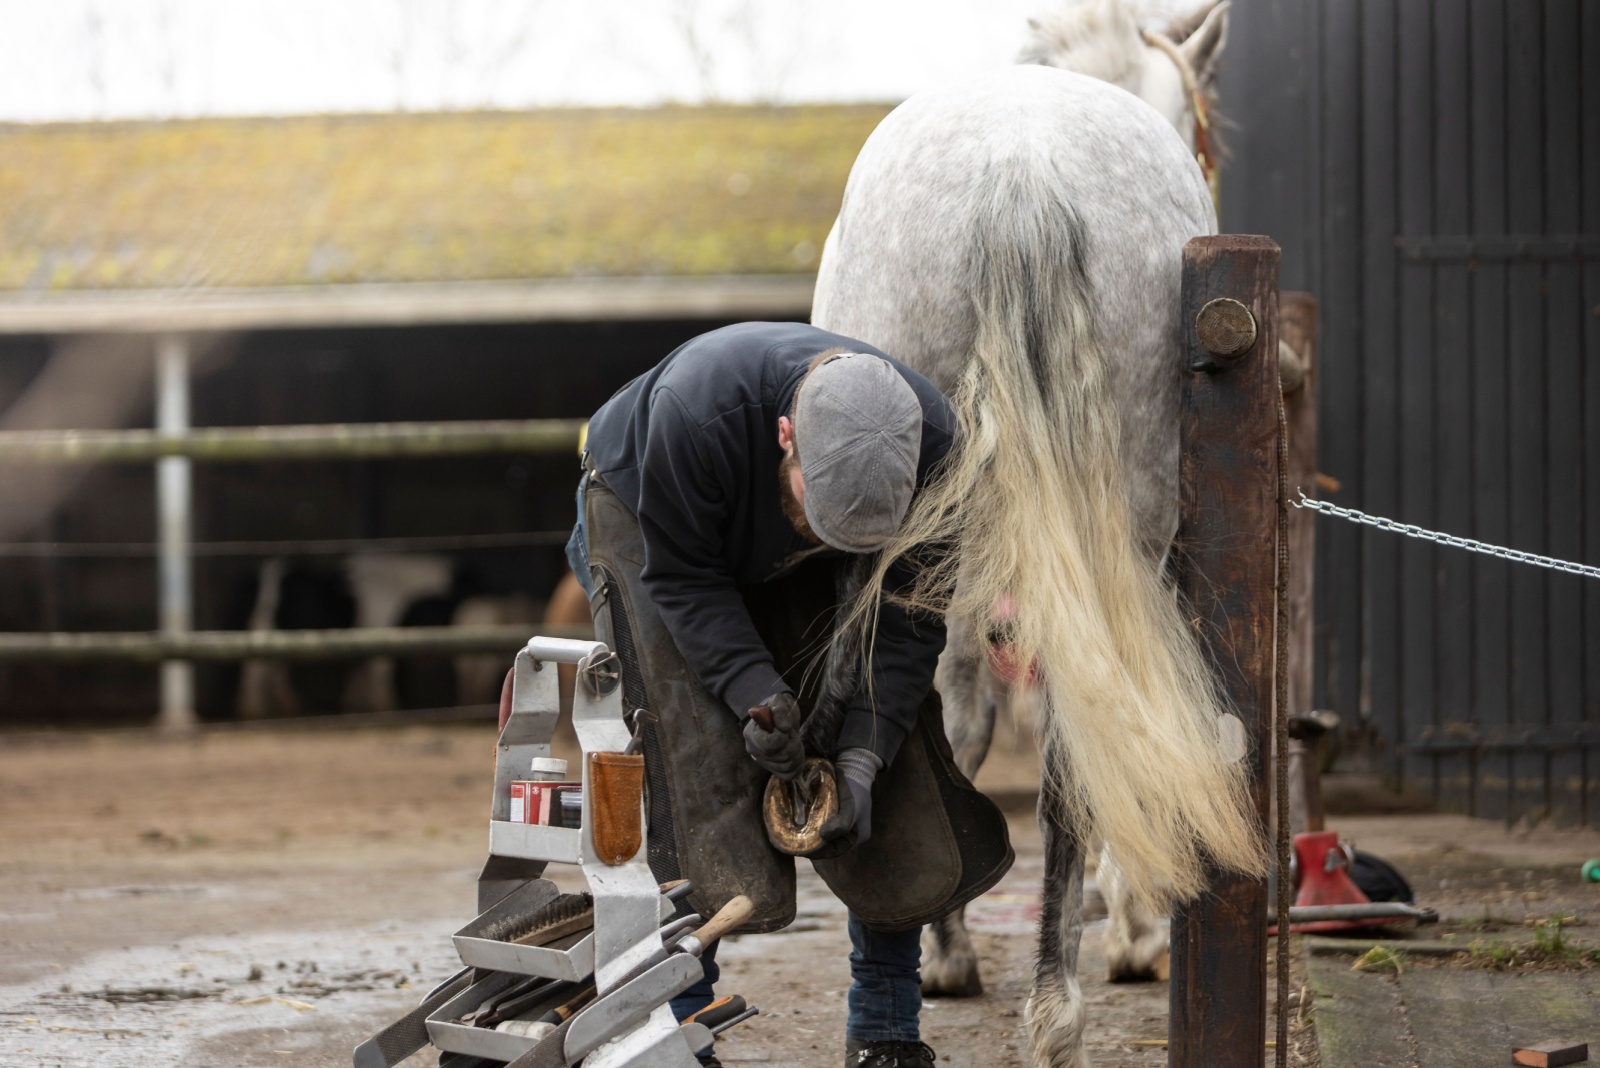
(1432, 171)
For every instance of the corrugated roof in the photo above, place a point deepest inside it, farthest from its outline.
(422, 197)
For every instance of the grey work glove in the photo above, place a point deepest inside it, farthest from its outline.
(857, 768)
(779, 750)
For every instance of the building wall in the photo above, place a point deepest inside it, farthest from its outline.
(1432, 171)
(549, 370)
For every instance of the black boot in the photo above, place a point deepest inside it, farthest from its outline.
(859, 1054)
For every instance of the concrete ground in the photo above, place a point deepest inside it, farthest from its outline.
(274, 897)
(1495, 973)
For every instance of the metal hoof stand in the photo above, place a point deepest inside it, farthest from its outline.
(617, 958)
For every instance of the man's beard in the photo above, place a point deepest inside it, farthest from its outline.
(792, 508)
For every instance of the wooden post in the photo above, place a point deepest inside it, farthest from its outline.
(1297, 325)
(1227, 535)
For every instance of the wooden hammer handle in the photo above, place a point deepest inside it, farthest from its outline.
(728, 917)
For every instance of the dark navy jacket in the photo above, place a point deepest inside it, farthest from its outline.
(691, 448)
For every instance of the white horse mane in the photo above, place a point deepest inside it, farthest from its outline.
(1101, 40)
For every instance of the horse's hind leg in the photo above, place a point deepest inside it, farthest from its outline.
(970, 694)
(1135, 942)
(949, 963)
(1055, 1006)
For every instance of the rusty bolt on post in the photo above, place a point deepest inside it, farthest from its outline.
(1226, 329)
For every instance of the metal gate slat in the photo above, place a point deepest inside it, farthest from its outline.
(1589, 121)
(1491, 473)
(1340, 381)
(1376, 485)
(1563, 402)
(1452, 391)
(1415, 461)
(1527, 356)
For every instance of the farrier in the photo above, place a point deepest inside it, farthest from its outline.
(728, 495)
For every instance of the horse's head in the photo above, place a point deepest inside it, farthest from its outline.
(1174, 71)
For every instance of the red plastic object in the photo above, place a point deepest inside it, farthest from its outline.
(1325, 880)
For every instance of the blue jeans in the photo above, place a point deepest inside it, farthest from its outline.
(885, 992)
(700, 995)
(886, 984)
(578, 544)
(885, 996)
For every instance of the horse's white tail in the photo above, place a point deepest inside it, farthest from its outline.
(1036, 496)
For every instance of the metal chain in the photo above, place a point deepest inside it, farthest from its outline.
(1411, 531)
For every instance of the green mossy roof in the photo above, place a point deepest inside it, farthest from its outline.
(423, 197)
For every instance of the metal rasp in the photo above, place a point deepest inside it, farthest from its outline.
(632, 1000)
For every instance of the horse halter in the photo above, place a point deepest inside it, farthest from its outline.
(1203, 154)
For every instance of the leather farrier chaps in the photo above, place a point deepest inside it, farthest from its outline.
(937, 842)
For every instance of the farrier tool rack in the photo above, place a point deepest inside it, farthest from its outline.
(552, 979)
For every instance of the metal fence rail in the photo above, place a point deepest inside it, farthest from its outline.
(154, 647)
(334, 441)
(172, 445)
(422, 543)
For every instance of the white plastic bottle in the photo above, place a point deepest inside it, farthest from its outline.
(548, 769)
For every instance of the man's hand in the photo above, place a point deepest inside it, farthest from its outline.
(777, 748)
(857, 768)
(854, 770)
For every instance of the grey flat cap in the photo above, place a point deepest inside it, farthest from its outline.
(858, 432)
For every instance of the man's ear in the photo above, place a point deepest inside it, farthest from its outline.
(785, 433)
(1203, 48)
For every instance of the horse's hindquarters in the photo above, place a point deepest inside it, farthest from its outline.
(1027, 144)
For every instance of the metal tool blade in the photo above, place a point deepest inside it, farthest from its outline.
(630, 1004)
(409, 1033)
(699, 1036)
(735, 1021)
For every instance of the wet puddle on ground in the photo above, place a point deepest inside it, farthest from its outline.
(157, 1005)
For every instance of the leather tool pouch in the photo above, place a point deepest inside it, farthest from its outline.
(702, 788)
(616, 788)
(937, 842)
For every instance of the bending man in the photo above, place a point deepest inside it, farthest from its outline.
(726, 494)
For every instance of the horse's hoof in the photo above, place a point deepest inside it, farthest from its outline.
(1158, 970)
(1055, 1030)
(952, 978)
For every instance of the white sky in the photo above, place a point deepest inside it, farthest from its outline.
(109, 59)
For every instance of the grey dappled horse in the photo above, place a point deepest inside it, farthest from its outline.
(1040, 169)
